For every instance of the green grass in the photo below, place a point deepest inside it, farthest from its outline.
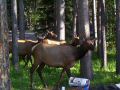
(107, 76)
(20, 80)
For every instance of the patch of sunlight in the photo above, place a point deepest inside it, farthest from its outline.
(76, 68)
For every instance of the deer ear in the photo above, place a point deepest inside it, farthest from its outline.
(77, 37)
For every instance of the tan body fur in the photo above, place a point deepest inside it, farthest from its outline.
(63, 56)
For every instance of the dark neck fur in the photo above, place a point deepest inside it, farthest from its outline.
(81, 51)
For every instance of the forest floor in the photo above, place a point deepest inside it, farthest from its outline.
(20, 80)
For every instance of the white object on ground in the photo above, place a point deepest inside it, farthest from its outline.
(74, 81)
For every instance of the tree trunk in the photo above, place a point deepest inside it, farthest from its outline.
(21, 20)
(14, 34)
(83, 17)
(99, 34)
(74, 18)
(55, 16)
(4, 52)
(95, 21)
(60, 5)
(103, 39)
(118, 36)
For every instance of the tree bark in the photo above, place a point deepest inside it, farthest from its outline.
(55, 16)
(83, 17)
(60, 18)
(95, 21)
(21, 20)
(103, 31)
(4, 52)
(99, 34)
(14, 34)
(74, 18)
(117, 36)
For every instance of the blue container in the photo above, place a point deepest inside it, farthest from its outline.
(86, 87)
(80, 83)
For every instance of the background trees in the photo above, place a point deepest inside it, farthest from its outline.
(41, 15)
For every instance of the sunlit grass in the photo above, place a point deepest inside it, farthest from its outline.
(20, 80)
(107, 76)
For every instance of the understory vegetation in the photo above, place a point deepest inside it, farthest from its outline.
(20, 80)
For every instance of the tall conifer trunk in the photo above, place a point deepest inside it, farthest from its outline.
(60, 7)
(4, 52)
(118, 36)
(83, 17)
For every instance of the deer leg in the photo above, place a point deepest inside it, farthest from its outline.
(39, 70)
(68, 73)
(61, 78)
(27, 59)
(32, 69)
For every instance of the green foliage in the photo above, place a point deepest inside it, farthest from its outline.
(107, 76)
(39, 14)
(110, 15)
(68, 17)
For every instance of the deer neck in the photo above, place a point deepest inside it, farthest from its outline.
(81, 51)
